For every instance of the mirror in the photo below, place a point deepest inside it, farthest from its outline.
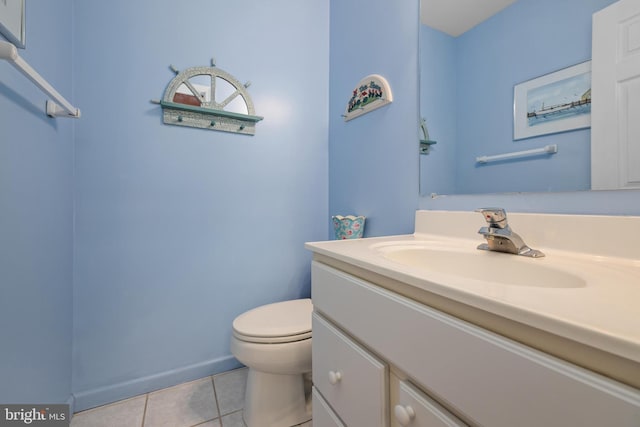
(468, 71)
(196, 93)
(208, 90)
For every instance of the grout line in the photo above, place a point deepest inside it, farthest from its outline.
(204, 422)
(144, 414)
(235, 412)
(215, 397)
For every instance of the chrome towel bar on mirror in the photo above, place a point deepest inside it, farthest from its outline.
(547, 149)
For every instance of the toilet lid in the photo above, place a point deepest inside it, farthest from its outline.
(285, 321)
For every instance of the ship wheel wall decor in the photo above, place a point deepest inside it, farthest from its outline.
(209, 98)
(371, 92)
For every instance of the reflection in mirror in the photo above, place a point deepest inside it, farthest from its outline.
(184, 95)
(225, 90)
(195, 91)
(238, 105)
(467, 94)
(202, 84)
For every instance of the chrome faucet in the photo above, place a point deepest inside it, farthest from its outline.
(500, 237)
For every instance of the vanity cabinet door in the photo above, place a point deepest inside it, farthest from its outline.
(353, 381)
(323, 416)
(491, 380)
(416, 409)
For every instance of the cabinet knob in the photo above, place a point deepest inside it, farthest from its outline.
(404, 414)
(334, 377)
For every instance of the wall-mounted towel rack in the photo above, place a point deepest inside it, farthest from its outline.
(547, 149)
(61, 107)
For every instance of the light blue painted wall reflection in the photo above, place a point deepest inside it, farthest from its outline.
(438, 88)
(179, 230)
(36, 216)
(528, 39)
(623, 202)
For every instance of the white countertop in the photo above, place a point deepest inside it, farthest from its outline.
(604, 313)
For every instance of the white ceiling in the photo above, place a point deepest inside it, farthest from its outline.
(455, 17)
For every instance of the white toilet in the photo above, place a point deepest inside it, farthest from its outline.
(274, 342)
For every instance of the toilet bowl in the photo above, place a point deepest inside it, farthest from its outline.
(274, 342)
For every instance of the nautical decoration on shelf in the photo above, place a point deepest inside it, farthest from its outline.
(372, 92)
(208, 98)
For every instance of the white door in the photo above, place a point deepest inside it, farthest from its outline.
(615, 111)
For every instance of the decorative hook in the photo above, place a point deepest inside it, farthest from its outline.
(174, 69)
(213, 62)
(247, 84)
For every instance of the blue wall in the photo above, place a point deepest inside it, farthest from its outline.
(179, 230)
(373, 159)
(36, 216)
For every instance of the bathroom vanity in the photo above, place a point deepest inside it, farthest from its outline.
(426, 330)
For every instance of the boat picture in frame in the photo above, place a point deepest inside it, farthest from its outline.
(556, 102)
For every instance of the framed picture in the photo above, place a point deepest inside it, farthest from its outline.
(556, 102)
(12, 21)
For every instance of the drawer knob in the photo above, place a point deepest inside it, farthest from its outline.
(404, 414)
(334, 377)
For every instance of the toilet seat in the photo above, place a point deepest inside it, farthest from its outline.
(281, 322)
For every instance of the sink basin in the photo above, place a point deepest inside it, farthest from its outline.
(486, 266)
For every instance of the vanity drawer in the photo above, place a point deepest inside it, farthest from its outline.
(491, 380)
(416, 409)
(352, 381)
(323, 416)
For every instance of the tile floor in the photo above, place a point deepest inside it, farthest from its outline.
(214, 401)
